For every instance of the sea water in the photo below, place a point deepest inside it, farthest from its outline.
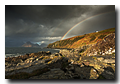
(18, 51)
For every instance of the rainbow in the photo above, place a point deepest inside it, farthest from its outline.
(82, 22)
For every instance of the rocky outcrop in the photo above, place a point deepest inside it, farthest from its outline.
(67, 64)
(103, 47)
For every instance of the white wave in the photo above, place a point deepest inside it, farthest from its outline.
(13, 55)
(56, 49)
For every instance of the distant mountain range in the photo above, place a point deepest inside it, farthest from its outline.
(82, 40)
(29, 44)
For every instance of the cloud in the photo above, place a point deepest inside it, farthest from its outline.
(43, 39)
(49, 23)
(41, 26)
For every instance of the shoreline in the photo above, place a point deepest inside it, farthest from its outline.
(24, 53)
(61, 65)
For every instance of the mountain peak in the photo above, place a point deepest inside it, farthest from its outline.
(29, 44)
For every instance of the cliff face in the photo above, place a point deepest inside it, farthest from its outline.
(29, 44)
(82, 40)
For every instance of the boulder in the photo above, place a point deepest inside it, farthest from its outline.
(48, 52)
(29, 60)
(93, 74)
(83, 72)
(19, 60)
(64, 59)
(56, 54)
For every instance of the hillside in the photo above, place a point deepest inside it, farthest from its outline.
(82, 40)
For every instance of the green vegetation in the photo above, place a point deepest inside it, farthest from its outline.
(92, 38)
(112, 30)
(63, 56)
(101, 36)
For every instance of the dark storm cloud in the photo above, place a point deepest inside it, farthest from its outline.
(42, 23)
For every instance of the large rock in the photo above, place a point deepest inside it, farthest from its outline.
(108, 73)
(83, 72)
(52, 74)
(109, 61)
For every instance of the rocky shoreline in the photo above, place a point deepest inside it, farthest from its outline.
(67, 64)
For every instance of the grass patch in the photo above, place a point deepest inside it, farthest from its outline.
(92, 38)
(101, 36)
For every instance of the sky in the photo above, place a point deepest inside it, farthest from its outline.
(44, 24)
